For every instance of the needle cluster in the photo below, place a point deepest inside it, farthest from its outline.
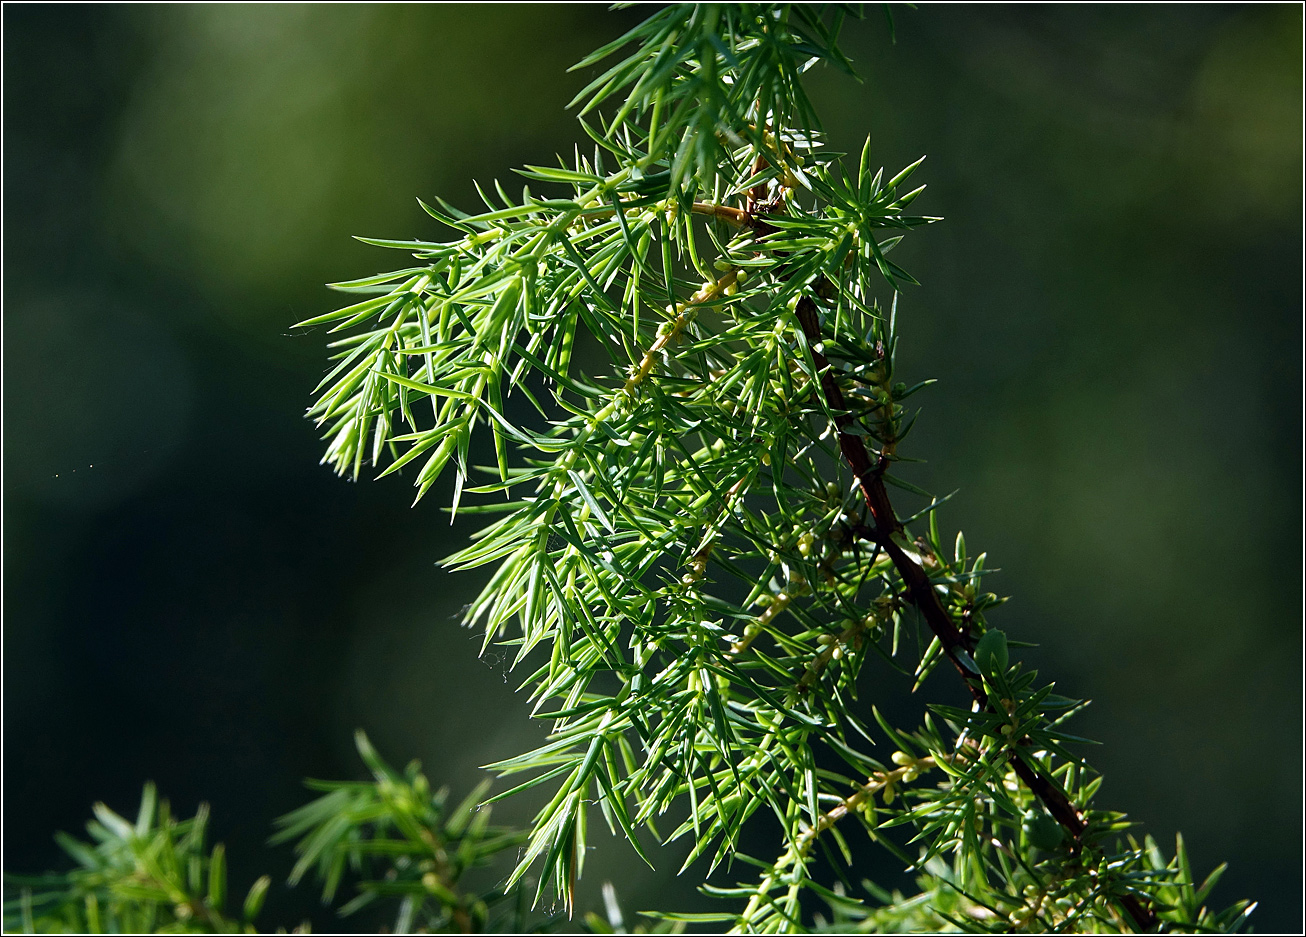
(696, 553)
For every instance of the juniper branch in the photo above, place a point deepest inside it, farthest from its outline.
(682, 526)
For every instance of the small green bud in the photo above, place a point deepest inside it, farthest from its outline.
(991, 653)
(1042, 831)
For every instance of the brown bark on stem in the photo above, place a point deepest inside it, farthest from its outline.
(919, 591)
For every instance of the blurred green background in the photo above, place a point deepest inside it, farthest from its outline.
(1113, 307)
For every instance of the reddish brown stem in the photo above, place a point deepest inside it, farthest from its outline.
(921, 593)
(919, 590)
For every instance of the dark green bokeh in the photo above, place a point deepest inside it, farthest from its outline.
(1113, 307)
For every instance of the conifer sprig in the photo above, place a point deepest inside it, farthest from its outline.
(153, 874)
(697, 552)
(408, 857)
(406, 847)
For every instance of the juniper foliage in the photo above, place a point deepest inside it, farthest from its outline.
(150, 875)
(403, 844)
(408, 860)
(694, 549)
(700, 543)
